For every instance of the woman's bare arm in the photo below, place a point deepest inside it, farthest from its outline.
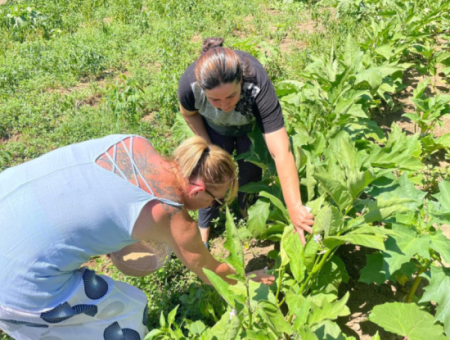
(174, 226)
(195, 122)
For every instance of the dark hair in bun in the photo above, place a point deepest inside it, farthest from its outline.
(220, 65)
(209, 43)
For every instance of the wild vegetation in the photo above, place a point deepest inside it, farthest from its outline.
(364, 89)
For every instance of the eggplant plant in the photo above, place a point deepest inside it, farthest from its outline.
(429, 113)
(418, 251)
(253, 308)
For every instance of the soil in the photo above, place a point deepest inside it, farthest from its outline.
(363, 297)
(411, 78)
(13, 138)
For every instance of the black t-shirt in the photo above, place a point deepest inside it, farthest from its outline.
(258, 102)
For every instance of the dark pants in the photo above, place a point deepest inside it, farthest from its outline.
(248, 172)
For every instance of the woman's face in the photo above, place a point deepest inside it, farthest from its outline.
(225, 96)
(204, 199)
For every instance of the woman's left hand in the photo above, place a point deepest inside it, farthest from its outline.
(263, 277)
(302, 220)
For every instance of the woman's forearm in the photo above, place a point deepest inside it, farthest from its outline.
(280, 150)
(287, 173)
(279, 147)
(197, 126)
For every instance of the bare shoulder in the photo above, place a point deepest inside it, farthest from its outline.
(158, 219)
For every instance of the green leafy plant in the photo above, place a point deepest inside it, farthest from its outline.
(20, 20)
(429, 110)
(407, 320)
(254, 310)
(125, 100)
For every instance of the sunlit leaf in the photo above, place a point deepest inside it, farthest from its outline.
(408, 320)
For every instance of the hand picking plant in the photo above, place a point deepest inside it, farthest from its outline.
(253, 308)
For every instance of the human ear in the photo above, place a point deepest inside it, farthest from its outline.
(195, 189)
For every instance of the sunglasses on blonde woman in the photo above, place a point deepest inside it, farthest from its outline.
(219, 201)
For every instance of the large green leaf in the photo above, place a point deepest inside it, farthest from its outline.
(329, 311)
(406, 319)
(310, 253)
(307, 334)
(232, 331)
(273, 317)
(330, 277)
(337, 221)
(382, 209)
(286, 87)
(294, 250)
(258, 153)
(441, 244)
(400, 249)
(338, 192)
(367, 229)
(329, 330)
(180, 130)
(438, 291)
(367, 240)
(233, 245)
(197, 327)
(401, 151)
(277, 203)
(258, 291)
(444, 195)
(352, 57)
(363, 129)
(373, 271)
(257, 217)
(345, 152)
(371, 76)
(322, 220)
(287, 234)
(257, 335)
(221, 286)
(358, 181)
(298, 306)
(406, 189)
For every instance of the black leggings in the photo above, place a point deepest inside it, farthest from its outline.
(248, 172)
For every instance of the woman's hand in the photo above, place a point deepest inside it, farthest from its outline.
(262, 277)
(302, 220)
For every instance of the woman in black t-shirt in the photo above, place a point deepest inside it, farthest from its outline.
(221, 95)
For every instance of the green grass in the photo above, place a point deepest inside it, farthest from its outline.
(51, 68)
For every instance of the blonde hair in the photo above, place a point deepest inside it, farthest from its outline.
(196, 159)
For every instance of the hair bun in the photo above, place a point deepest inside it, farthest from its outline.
(209, 43)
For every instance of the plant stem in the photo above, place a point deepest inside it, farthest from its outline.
(250, 312)
(279, 282)
(416, 283)
(315, 270)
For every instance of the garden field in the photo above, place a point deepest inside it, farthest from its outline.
(364, 87)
